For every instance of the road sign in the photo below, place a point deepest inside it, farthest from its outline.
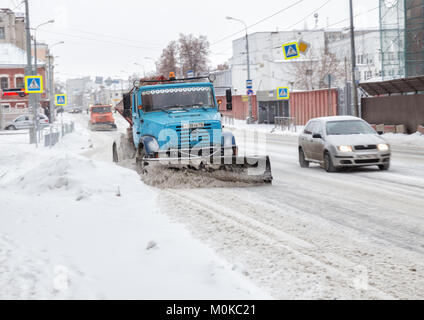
(303, 46)
(291, 50)
(249, 84)
(190, 74)
(283, 93)
(250, 92)
(34, 84)
(60, 100)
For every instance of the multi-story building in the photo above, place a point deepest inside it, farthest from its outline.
(13, 61)
(12, 28)
(270, 70)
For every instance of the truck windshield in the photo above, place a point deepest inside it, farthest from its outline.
(348, 127)
(101, 110)
(177, 98)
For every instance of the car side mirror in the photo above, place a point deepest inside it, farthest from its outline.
(317, 136)
(229, 97)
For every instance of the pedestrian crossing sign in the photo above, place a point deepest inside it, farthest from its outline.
(60, 100)
(283, 93)
(34, 84)
(291, 50)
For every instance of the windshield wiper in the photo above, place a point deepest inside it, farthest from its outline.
(199, 106)
(176, 106)
(164, 110)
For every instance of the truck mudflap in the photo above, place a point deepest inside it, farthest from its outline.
(250, 169)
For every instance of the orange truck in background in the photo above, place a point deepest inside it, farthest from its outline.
(101, 118)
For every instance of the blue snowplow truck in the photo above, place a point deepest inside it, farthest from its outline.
(176, 124)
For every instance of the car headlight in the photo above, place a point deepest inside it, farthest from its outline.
(345, 148)
(383, 147)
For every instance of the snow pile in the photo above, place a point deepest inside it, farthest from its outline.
(72, 227)
(263, 128)
(412, 140)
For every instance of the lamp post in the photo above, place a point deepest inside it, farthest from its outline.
(51, 88)
(250, 118)
(37, 95)
(142, 67)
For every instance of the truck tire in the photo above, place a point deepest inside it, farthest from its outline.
(140, 155)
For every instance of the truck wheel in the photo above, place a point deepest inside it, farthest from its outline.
(328, 163)
(140, 155)
(303, 163)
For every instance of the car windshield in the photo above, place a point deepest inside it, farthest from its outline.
(348, 127)
(101, 110)
(177, 98)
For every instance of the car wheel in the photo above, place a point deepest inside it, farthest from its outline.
(384, 167)
(328, 163)
(303, 163)
(11, 127)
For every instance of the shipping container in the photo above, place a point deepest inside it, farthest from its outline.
(305, 105)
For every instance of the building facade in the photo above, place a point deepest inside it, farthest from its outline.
(12, 75)
(12, 28)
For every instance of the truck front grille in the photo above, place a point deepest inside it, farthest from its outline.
(196, 137)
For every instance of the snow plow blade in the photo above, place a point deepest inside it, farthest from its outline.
(249, 169)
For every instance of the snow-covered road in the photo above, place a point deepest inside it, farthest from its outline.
(73, 225)
(353, 234)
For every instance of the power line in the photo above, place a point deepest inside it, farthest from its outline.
(310, 14)
(100, 40)
(258, 22)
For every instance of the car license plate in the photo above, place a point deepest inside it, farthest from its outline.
(367, 156)
(193, 125)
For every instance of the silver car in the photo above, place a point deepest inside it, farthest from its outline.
(343, 141)
(25, 122)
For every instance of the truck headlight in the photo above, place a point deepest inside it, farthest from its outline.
(383, 147)
(152, 145)
(345, 148)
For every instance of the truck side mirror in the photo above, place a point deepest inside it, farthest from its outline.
(229, 97)
(127, 105)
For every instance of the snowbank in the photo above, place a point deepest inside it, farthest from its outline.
(263, 128)
(413, 140)
(72, 227)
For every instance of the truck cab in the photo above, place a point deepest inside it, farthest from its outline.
(179, 116)
(101, 118)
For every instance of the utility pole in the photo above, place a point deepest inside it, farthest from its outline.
(32, 102)
(250, 119)
(353, 57)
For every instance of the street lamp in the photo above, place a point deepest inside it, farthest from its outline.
(250, 118)
(35, 72)
(142, 66)
(51, 85)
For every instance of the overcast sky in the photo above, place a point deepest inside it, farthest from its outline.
(107, 37)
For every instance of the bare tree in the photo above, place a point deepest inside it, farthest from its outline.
(168, 61)
(193, 53)
(310, 73)
(223, 66)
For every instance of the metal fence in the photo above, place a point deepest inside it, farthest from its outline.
(228, 120)
(53, 133)
(285, 123)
